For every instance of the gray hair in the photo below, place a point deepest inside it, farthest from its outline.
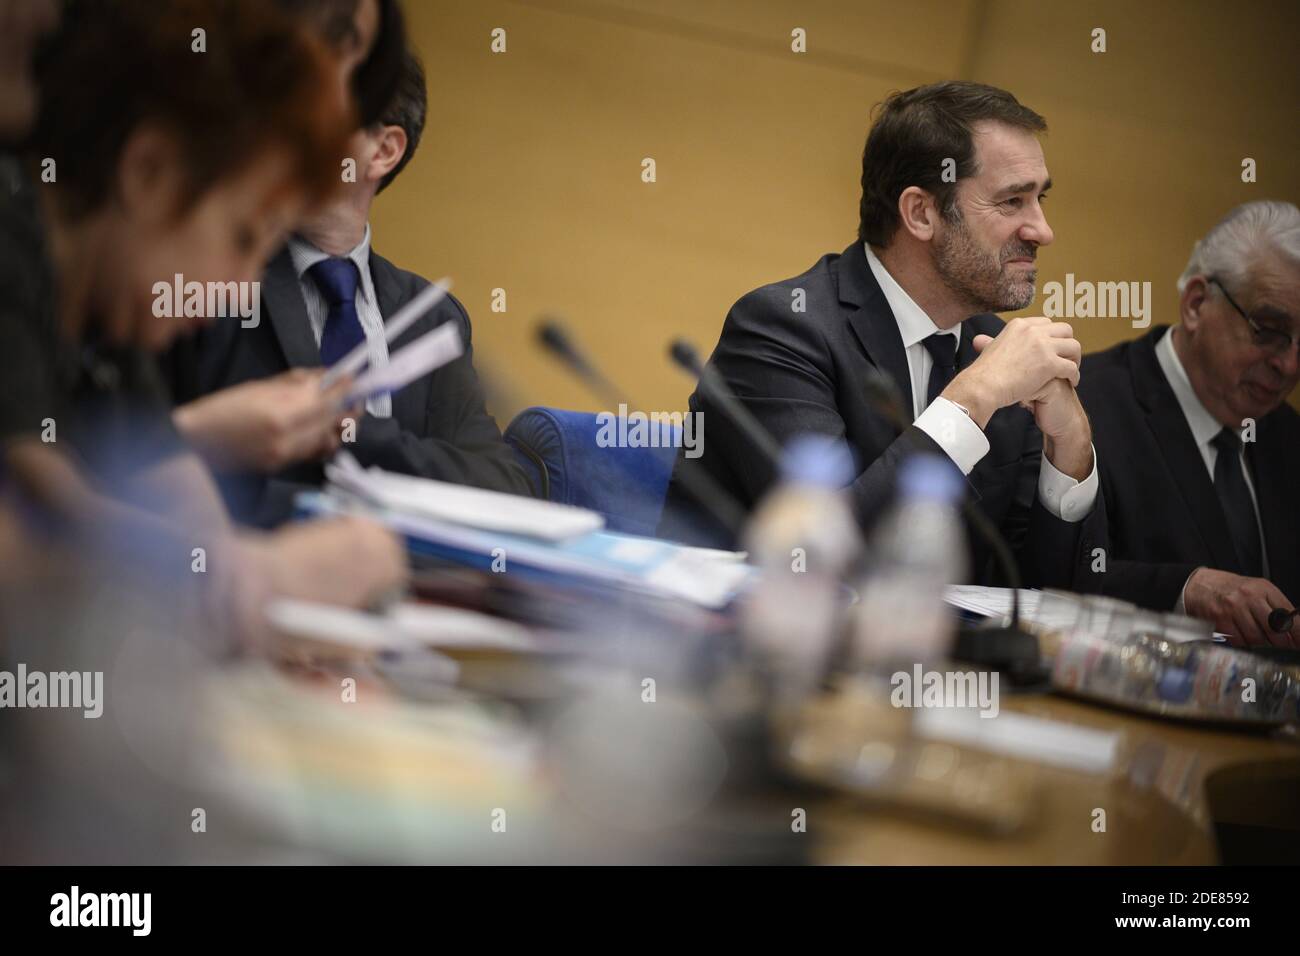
(1227, 250)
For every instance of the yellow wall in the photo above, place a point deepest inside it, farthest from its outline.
(529, 175)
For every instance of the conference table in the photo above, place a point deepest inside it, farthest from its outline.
(1174, 786)
(1171, 792)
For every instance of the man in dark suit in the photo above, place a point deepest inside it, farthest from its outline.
(249, 398)
(951, 223)
(1200, 452)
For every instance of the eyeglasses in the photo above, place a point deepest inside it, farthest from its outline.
(1269, 339)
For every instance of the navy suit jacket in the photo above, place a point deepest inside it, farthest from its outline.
(807, 372)
(1165, 517)
(439, 427)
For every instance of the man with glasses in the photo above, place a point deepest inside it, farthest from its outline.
(1200, 451)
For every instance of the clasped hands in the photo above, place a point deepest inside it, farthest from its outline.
(1033, 362)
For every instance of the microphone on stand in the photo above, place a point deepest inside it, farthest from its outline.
(699, 484)
(555, 339)
(883, 395)
(710, 382)
(1009, 649)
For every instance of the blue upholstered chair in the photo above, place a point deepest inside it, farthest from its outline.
(559, 450)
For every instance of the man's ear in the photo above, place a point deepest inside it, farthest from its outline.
(390, 148)
(917, 212)
(1192, 301)
(150, 182)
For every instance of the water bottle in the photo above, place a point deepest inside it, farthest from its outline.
(915, 552)
(803, 537)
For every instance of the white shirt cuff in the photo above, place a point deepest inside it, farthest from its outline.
(1064, 497)
(952, 430)
(1181, 606)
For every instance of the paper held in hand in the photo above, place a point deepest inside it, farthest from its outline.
(430, 351)
(402, 320)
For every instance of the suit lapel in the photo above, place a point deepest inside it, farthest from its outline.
(282, 297)
(410, 404)
(1174, 436)
(873, 321)
(875, 326)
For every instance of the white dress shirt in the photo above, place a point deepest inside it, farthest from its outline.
(304, 256)
(951, 428)
(1204, 427)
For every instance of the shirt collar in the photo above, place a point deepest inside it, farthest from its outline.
(1204, 425)
(913, 324)
(305, 255)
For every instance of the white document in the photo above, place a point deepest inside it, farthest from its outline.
(991, 602)
(430, 351)
(447, 628)
(1055, 615)
(405, 627)
(706, 581)
(461, 505)
(338, 625)
(401, 320)
(1035, 739)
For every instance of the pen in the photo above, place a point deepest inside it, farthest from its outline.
(1279, 619)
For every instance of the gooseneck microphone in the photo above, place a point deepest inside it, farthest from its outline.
(884, 396)
(712, 384)
(1010, 649)
(555, 339)
(708, 494)
(684, 354)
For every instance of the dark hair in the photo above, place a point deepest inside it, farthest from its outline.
(333, 20)
(914, 133)
(261, 81)
(376, 78)
(407, 110)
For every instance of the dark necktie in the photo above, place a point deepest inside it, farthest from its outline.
(942, 347)
(1234, 496)
(337, 279)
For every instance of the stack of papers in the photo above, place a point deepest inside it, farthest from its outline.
(1059, 615)
(458, 504)
(489, 529)
(992, 602)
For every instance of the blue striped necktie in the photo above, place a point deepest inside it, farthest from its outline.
(337, 280)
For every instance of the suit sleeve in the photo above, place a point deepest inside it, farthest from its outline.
(1053, 552)
(780, 368)
(1151, 584)
(464, 444)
